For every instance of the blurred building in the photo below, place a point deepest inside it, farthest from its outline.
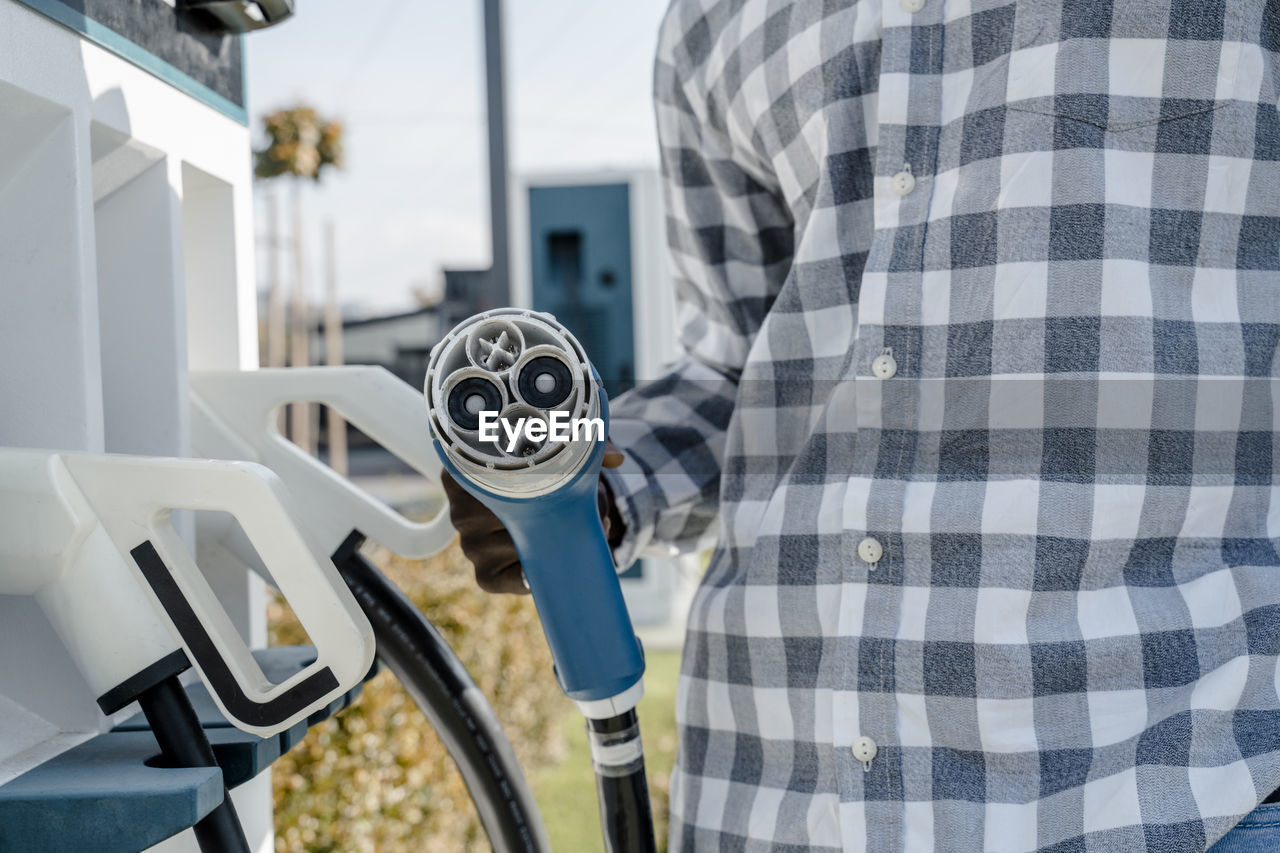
(400, 342)
(590, 248)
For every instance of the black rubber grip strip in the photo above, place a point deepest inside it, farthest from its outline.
(613, 725)
(135, 685)
(216, 673)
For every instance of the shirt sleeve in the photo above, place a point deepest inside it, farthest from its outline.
(730, 241)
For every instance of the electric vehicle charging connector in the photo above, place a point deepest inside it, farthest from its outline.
(525, 363)
(543, 492)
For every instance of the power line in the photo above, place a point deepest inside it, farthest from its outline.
(540, 120)
(390, 13)
(557, 32)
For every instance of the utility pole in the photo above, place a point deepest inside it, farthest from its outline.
(337, 427)
(470, 290)
(498, 286)
(276, 324)
(299, 357)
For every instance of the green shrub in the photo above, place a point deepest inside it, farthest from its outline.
(376, 778)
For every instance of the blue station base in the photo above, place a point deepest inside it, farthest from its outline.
(112, 794)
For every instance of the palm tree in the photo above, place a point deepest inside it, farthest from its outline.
(300, 144)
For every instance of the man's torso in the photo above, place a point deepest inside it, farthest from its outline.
(1058, 227)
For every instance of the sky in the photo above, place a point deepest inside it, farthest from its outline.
(407, 79)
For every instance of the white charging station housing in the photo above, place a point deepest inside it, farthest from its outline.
(126, 260)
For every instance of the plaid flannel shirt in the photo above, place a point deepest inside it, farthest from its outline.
(980, 302)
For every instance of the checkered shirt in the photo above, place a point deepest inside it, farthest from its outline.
(980, 302)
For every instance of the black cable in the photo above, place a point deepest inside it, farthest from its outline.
(440, 685)
(183, 744)
(626, 816)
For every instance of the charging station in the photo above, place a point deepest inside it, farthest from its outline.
(126, 260)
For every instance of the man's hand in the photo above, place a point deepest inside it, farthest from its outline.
(488, 545)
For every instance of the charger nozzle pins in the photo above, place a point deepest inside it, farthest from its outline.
(512, 365)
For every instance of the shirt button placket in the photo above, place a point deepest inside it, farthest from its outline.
(904, 160)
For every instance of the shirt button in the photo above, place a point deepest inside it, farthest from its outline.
(865, 749)
(884, 366)
(912, 6)
(903, 183)
(870, 551)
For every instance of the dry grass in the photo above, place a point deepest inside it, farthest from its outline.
(376, 778)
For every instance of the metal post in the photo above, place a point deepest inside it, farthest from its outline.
(277, 343)
(498, 284)
(336, 426)
(300, 425)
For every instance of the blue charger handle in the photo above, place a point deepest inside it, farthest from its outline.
(571, 574)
